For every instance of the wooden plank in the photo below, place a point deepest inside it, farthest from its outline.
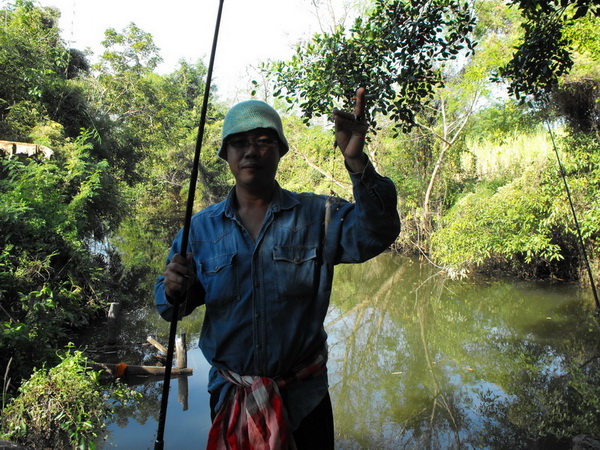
(157, 344)
(24, 148)
(139, 370)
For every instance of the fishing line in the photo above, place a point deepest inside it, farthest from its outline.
(581, 244)
(159, 443)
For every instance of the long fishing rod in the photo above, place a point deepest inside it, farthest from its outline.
(581, 244)
(159, 442)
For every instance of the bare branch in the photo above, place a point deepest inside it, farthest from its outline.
(326, 174)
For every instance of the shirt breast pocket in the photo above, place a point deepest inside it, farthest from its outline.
(296, 271)
(220, 279)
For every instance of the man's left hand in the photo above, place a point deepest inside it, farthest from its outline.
(350, 133)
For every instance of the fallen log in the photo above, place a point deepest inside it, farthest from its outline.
(123, 370)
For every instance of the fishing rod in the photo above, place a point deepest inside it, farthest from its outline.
(579, 235)
(159, 442)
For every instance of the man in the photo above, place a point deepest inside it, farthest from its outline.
(262, 262)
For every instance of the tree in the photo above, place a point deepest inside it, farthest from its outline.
(545, 52)
(124, 88)
(37, 73)
(397, 52)
(167, 137)
(50, 213)
(466, 88)
(55, 215)
(402, 53)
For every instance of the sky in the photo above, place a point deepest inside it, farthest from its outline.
(251, 31)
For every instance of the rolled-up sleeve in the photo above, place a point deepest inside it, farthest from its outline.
(367, 227)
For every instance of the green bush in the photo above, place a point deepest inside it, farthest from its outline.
(526, 224)
(50, 281)
(61, 407)
(515, 223)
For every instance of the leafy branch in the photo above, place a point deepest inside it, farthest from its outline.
(398, 53)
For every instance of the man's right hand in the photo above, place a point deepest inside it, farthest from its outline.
(179, 277)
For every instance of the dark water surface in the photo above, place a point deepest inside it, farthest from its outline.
(416, 361)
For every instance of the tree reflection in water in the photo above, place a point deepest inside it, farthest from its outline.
(421, 361)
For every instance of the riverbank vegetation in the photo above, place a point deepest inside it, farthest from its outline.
(64, 406)
(479, 185)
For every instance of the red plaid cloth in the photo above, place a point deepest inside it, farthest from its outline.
(254, 416)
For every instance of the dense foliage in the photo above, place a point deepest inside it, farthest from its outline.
(49, 279)
(61, 407)
(35, 70)
(397, 53)
(455, 209)
(91, 224)
(521, 221)
(545, 52)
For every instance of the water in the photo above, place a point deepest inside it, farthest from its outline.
(184, 428)
(419, 361)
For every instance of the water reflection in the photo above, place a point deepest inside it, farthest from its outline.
(420, 361)
(188, 418)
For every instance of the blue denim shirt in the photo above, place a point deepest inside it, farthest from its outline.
(266, 301)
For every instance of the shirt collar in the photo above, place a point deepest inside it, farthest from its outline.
(282, 200)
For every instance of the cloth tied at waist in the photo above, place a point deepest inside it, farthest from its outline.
(254, 416)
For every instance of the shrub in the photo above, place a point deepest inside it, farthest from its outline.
(61, 407)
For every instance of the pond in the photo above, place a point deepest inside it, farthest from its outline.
(417, 360)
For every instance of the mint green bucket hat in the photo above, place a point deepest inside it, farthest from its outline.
(249, 115)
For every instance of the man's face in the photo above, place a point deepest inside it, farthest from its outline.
(253, 158)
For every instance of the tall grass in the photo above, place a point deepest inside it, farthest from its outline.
(487, 160)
